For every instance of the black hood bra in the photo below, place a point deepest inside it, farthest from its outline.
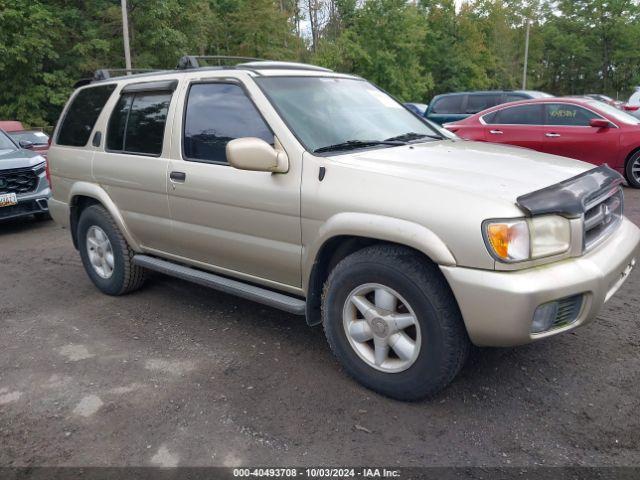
(571, 197)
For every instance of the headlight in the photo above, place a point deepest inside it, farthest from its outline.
(523, 239)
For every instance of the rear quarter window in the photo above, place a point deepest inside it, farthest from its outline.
(82, 114)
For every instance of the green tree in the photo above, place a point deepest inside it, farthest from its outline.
(381, 45)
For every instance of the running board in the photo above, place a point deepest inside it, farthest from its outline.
(226, 285)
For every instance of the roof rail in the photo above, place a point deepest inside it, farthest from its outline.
(189, 62)
(105, 73)
(193, 61)
(273, 65)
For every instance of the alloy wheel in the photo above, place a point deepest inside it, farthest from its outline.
(382, 328)
(100, 252)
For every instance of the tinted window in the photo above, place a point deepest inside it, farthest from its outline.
(514, 97)
(82, 114)
(216, 114)
(137, 123)
(568, 115)
(520, 115)
(448, 104)
(117, 123)
(479, 102)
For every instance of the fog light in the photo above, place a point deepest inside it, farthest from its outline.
(557, 314)
(544, 317)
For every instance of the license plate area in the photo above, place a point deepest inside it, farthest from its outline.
(8, 199)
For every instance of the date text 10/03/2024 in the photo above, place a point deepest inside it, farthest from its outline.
(317, 472)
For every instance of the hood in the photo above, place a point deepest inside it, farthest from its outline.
(19, 159)
(479, 168)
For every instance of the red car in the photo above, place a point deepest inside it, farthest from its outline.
(583, 129)
(35, 140)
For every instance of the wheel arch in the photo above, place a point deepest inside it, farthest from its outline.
(83, 195)
(346, 233)
(627, 160)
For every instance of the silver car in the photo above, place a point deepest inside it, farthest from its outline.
(24, 188)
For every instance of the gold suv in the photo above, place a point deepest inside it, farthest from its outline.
(319, 194)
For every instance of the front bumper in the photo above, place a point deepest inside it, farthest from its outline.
(29, 203)
(498, 307)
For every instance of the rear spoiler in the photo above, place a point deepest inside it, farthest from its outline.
(571, 197)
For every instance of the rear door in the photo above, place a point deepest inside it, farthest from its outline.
(131, 163)
(567, 133)
(520, 125)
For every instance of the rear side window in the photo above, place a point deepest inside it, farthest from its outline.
(448, 104)
(514, 97)
(82, 115)
(217, 113)
(563, 114)
(477, 103)
(137, 123)
(520, 115)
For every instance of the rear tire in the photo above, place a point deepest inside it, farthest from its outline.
(434, 348)
(632, 170)
(106, 255)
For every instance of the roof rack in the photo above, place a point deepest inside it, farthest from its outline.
(189, 62)
(106, 73)
(193, 61)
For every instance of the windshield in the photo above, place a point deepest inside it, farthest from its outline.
(6, 145)
(327, 113)
(35, 137)
(614, 113)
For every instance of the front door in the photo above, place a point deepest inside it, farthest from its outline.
(568, 134)
(239, 222)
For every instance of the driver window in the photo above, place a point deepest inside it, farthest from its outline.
(217, 113)
(565, 114)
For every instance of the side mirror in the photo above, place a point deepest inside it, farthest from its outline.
(599, 123)
(26, 144)
(255, 154)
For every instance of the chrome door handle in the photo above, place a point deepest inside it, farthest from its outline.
(177, 177)
(496, 132)
(551, 134)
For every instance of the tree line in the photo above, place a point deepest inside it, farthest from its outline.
(412, 49)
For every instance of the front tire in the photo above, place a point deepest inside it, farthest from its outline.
(106, 255)
(392, 321)
(632, 170)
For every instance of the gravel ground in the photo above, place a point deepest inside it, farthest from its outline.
(180, 375)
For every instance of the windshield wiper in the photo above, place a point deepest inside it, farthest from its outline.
(353, 144)
(407, 137)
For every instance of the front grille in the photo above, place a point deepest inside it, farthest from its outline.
(602, 216)
(21, 180)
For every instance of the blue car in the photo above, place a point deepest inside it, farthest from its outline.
(451, 107)
(417, 108)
